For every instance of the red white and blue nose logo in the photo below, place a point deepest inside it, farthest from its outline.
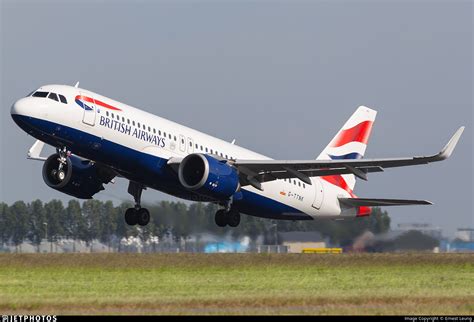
(87, 103)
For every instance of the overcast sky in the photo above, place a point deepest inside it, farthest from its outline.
(280, 77)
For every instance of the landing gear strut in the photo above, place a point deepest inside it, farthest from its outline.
(136, 215)
(60, 173)
(229, 217)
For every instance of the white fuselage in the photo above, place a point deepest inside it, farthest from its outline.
(148, 134)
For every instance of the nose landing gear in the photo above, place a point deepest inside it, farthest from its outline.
(59, 174)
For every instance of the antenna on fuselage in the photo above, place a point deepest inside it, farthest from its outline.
(233, 141)
(77, 85)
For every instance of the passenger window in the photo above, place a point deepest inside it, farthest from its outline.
(304, 187)
(133, 122)
(191, 144)
(123, 119)
(128, 121)
(118, 117)
(63, 99)
(201, 148)
(107, 113)
(299, 184)
(144, 127)
(197, 146)
(164, 134)
(138, 124)
(154, 130)
(206, 150)
(112, 115)
(159, 132)
(182, 141)
(169, 135)
(40, 94)
(149, 129)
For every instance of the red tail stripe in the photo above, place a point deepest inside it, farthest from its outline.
(91, 100)
(364, 211)
(358, 133)
(339, 181)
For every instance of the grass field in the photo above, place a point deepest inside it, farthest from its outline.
(237, 283)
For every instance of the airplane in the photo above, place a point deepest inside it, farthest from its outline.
(98, 139)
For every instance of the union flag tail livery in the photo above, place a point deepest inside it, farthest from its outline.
(351, 140)
(97, 139)
(350, 143)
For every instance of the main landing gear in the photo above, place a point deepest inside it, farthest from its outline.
(229, 217)
(136, 215)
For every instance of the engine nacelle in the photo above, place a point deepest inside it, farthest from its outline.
(81, 178)
(208, 176)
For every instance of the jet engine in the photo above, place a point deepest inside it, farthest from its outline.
(78, 177)
(208, 176)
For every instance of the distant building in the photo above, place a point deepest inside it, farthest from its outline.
(425, 228)
(465, 234)
(463, 242)
(295, 241)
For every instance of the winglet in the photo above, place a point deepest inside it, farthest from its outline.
(449, 147)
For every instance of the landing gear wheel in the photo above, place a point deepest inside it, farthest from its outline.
(61, 174)
(131, 217)
(137, 215)
(143, 216)
(221, 218)
(233, 218)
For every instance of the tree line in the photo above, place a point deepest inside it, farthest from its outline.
(103, 221)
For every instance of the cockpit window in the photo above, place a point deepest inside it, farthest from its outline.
(30, 93)
(53, 96)
(63, 99)
(40, 94)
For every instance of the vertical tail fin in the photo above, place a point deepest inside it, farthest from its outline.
(351, 140)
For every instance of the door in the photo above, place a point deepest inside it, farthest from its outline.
(89, 109)
(190, 145)
(319, 193)
(182, 143)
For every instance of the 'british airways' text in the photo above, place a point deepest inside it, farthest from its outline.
(133, 131)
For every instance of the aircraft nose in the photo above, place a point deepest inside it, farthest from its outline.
(20, 107)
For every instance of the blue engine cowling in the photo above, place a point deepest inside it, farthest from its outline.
(82, 179)
(208, 176)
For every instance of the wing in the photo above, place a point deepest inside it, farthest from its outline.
(255, 172)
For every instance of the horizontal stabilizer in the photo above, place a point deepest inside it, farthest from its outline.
(371, 202)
